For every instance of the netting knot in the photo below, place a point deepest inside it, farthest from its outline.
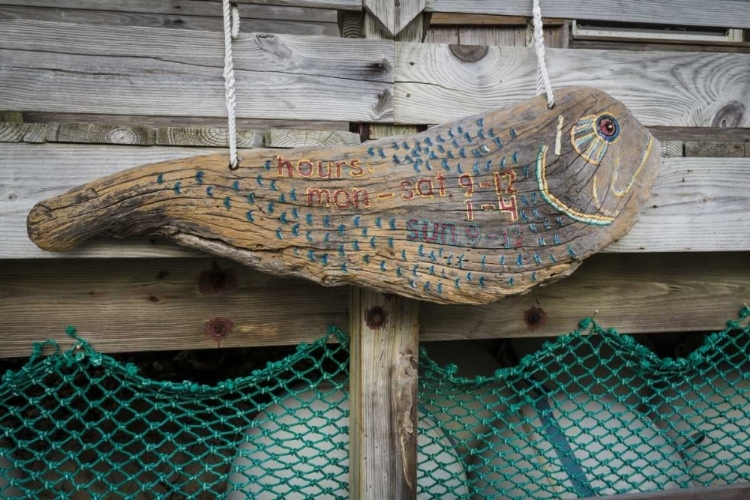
(585, 323)
(131, 370)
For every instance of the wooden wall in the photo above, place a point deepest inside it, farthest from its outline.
(88, 87)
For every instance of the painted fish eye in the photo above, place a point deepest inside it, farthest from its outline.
(608, 128)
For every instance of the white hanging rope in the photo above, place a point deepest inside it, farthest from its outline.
(542, 83)
(231, 32)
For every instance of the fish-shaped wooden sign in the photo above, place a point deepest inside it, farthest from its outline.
(467, 212)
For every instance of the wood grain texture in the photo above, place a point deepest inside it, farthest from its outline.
(402, 216)
(717, 149)
(160, 304)
(30, 173)
(685, 200)
(185, 8)
(181, 22)
(660, 88)
(451, 19)
(383, 379)
(91, 133)
(23, 132)
(207, 137)
(178, 121)
(633, 293)
(726, 492)
(285, 138)
(724, 13)
(394, 15)
(672, 149)
(127, 70)
(124, 304)
(322, 4)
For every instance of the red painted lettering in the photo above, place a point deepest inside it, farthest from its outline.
(318, 197)
(357, 171)
(327, 175)
(420, 187)
(441, 184)
(406, 186)
(467, 181)
(365, 197)
(282, 163)
(337, 199)
(305, 168)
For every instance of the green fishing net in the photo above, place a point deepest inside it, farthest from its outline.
(592, 413)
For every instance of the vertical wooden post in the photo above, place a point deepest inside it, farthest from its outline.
(383, 397)
(383, 371)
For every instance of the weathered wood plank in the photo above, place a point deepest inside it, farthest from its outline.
(207, 137)
(123, 304)
(303, 138)
(160, 304)
(323, 4)
(660, 88)
(450, 19)
(187, 8)
(672, 149)
(90, 133)
(127, 70)
(696, 205)
(634, 293)
(716, 149)
(23, 132)
(725, 492)
(394, 15)
(733, 47)
(701, 134)
(705, 213)
(442, 35)
(723, 13)
(176, 121)
(383, 399)
(193, 23)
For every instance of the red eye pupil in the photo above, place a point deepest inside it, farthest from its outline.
(607, 127)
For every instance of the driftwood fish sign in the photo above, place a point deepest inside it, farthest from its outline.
(467, 212)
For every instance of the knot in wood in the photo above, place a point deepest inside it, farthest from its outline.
(730, 115)
(375, 318)
(468, 53)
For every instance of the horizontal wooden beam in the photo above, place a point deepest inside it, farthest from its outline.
(139, 135)
(189, 8)
(67, 68)
(463, 20)
(317, 22)
(319, 4)
(124, 304)
(661, 88)
(724, 492)
(721, 13)
(697, 204)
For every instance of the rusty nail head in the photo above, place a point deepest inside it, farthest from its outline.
(535, 317)
(375, 317)
(219, 328)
